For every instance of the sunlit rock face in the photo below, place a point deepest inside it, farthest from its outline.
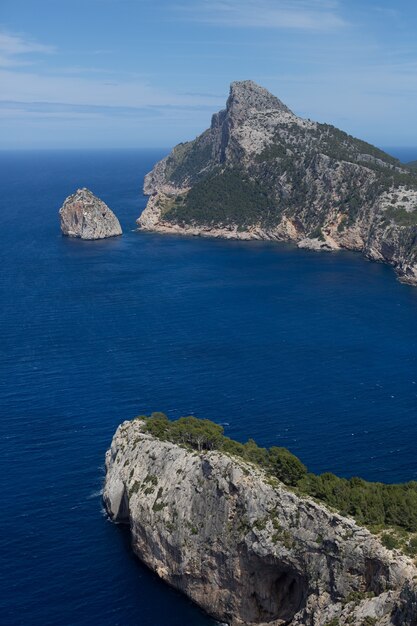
(246, 548)
(262, 172)
(85, 216)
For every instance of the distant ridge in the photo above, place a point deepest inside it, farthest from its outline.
(261, 172)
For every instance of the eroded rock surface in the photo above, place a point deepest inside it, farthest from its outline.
(85, 216)
(244, 547)
(262, 172)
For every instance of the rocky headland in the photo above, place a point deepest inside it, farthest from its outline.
(243, 545)
(261, 172)
(85, 216)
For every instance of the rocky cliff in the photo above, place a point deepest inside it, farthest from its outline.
(85, 216)
(261, 172)
(246, 548)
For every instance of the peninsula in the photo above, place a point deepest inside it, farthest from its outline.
(252, 538)
(262, 172)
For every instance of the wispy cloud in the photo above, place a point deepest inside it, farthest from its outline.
(27, 86)
(18, 50)
(65, 109)
(307, 15)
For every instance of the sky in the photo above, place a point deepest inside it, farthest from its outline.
(149, 73)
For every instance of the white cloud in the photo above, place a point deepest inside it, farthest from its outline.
(15, 49)
(308, 15)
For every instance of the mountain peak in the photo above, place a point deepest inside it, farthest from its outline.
(247, 94)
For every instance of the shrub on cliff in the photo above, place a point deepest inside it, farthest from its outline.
(286, 466)
(199, 434)
(372, 504)
(158, 425)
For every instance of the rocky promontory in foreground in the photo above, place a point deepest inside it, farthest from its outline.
(226, 524)
(261, 172)
(85, 216)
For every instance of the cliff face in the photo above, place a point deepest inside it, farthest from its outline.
(85, 216)
(244, 547)
(261, 172)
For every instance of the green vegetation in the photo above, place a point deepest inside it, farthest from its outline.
(198, 434)
(401, 216)
(317, 233)
(135, 488)
(224, 197)
(201, 435)
(376, 505)
(283, 177)
(390, 541)
(149, 484)
(331, 141)
(274, 150)
(357, 596)
(340, 147)
(231, 195)
(369, 503)
(187, 160)
(157, 505)
(338, 144)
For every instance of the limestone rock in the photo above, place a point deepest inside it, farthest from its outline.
(85, 216)
(262, 172)
(246, 549)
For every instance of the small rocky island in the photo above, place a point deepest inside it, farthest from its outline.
(233, 527)
(85, 216)
(262, 172)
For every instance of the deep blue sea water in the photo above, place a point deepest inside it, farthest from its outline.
(316, 352)
(403, 154)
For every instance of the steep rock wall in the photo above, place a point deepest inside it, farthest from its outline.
(261, 172)
(244, 547)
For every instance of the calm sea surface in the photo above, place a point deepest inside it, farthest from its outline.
(316, 352)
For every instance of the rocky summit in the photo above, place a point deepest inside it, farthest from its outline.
(85, 216)
(245, 547)
(262, 172)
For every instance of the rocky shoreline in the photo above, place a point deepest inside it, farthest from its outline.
(295, 180)
(152, 221)
(245, 548)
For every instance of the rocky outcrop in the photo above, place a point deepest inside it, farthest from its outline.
(85, 216)
(261, 172)
(244, 547)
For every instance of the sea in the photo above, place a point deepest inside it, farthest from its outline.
(316, 352)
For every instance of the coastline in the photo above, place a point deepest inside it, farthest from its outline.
(220, 529)
(288, 231)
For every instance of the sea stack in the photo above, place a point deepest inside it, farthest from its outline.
(85, 216)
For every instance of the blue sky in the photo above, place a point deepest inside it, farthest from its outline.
(141, 73)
